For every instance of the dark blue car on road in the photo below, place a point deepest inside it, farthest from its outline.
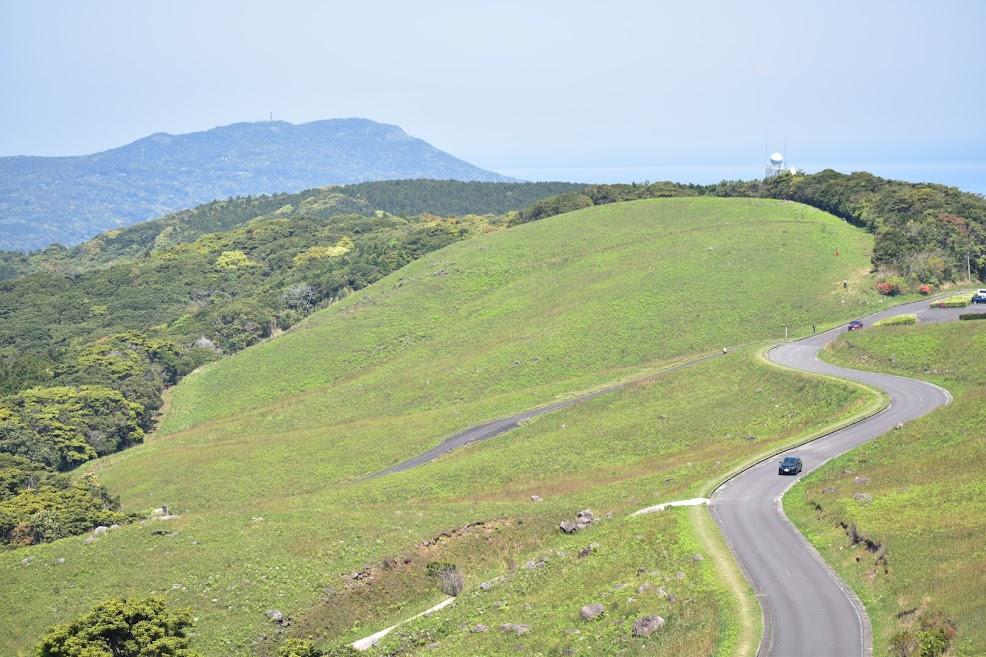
(790, 465)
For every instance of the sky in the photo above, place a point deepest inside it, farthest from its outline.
(571, 90)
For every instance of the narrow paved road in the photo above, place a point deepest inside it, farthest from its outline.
(808, 611)
(496, 427)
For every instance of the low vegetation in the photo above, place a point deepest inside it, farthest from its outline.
(956, 301)
(898, 320)
(481, 329)
(902, 518)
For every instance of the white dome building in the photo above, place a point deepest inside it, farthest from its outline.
(775, 165)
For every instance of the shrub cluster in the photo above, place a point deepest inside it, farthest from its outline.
(891, 285)
(957, 301)
(136, 627)
(898, 320)
(929, 635)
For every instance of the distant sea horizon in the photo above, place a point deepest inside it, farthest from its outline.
(967, 176)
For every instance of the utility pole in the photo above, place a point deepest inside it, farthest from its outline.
(968, 265)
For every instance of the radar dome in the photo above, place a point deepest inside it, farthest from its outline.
(776, 158)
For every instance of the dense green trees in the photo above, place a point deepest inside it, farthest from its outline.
(140, 627)
(924, 232)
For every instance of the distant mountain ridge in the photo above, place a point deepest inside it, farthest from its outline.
(44, 200)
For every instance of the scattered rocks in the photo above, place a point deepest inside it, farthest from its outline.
(583, 519)
(163, 513)
(515, 628)
(594, 610)
(828, 490)
(535, 498)
(59, 561)
(486, 586)
(99, 531)
(671, 598)
(861, 480)
(89, 540)
(647, 625)
(441, 272)
(278, 617)
(697, 557)
(359, 575)
(864, 498)
(645, 587)
(480, 629)
(26, 561)
(540, 562)
(750, 438)
(680, 575)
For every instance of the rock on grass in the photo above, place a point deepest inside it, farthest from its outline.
(647, 625)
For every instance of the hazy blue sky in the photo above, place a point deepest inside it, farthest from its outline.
(578, 90)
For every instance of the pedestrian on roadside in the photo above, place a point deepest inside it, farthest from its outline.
(813, 328)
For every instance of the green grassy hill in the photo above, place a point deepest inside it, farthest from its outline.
(260, 453)
(926, 490)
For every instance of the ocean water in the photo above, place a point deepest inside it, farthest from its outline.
(968, 176)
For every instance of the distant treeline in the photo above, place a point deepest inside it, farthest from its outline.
(923, 231)
(399, 197)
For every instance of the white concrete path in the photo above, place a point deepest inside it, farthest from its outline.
(372, 640)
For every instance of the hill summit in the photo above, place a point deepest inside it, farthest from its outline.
(68, 199)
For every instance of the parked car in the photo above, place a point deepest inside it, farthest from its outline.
(790, 465)
(979, 296)
(855, 325)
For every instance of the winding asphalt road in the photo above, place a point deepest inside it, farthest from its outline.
(808, 611)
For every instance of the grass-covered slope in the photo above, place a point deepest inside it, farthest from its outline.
(917, 493)
(552, 307)
(258, 453)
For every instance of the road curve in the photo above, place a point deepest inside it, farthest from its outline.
(807, 610)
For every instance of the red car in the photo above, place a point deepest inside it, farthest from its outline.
(855, 325)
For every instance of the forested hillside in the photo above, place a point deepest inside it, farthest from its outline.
(84, 357)
(399, 197)
(45, 200)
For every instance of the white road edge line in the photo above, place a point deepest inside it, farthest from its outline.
(372, 640)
